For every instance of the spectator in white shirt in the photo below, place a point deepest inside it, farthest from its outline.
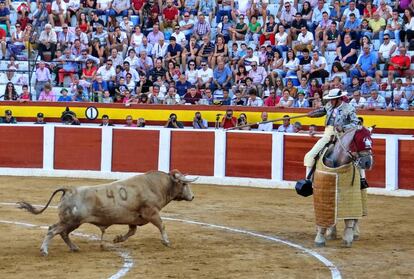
(318, 65)
(387, 49)
(376, 101)
(267, 127)
(205, 75)
(254, 100)
(305, 40)
(107, 71)
(358, 102)
(58, 11)
(286, 101)
(159, 49)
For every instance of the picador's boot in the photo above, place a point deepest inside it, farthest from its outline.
(364, 183)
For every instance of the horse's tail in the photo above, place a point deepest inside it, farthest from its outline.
(27, 206)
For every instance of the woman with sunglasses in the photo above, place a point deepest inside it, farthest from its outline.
(16, 46)
(191, 73)
(89, 72)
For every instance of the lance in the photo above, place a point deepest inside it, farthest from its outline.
(267, 121)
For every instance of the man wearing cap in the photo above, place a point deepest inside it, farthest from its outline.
(340, 116)
(8, 118)
(40, 119)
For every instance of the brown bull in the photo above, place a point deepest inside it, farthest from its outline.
(135, 201)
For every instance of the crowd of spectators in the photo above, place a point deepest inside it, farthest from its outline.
(228, 52)
(228, 121)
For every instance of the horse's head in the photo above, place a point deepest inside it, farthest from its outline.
(361, 149)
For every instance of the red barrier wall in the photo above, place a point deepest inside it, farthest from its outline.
(249, 155)
(295, 149)
(192, 153)
(376, 176)
(21, 147)
(405, 164)
(135, 150)
(77, 148)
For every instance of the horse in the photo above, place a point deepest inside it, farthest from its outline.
(353, 147)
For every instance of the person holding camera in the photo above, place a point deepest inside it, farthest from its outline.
(199, 122)
(69, 117)
(241, 121)
(173, 122)
(228, 120)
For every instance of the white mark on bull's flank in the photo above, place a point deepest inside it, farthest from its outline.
(110, 194)
(128, 261)
(334, 270)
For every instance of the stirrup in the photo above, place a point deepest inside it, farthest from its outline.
(364, 184)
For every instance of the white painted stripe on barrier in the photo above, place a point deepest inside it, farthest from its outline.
(335, 273)
(391, 163)
(219, 153)
(124, 254)
(164, 150)
(277, 156)
(106, 149)
(48, 147)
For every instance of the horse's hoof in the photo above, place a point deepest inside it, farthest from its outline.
(320, 244)
(347, 244)
(331, 236)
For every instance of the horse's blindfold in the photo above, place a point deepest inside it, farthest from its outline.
(362, 141)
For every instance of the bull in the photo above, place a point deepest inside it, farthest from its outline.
(135, 201)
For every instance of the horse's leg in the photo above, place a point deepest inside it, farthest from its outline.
(348, 232)
(320, 237)
(356, 230)
(331, 233)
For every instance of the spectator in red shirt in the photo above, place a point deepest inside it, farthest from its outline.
(399, 66)
(3, 43)
(228, 120)
(137, 8)
(169, 16)
(272, 100)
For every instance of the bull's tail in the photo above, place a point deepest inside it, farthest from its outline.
(32, 209)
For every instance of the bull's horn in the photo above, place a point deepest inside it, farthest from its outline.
(189, 180)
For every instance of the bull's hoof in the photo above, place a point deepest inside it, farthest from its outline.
(320, 244)
(119, 238)
(43, 253)
(166, 243)
(347, 244)
(356, 237)
(74, 249)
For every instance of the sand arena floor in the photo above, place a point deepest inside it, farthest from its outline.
(385, 250)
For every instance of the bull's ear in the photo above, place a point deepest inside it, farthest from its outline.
(175, 175)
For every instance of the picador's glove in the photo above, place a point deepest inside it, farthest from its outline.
(317, 113)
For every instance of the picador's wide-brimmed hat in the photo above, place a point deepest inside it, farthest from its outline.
(334, 94)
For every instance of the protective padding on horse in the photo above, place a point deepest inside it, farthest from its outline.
(336, 194)
(324, 198)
